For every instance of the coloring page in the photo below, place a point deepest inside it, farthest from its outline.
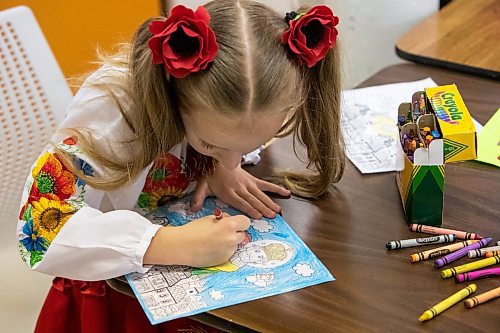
(271, 260)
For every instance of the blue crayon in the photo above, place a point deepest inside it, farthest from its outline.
(460, 253)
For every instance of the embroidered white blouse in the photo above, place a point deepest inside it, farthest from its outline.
(69, 229)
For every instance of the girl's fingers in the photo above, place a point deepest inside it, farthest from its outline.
(266, 200)
(201, 192)
(270, 187)
(257, 204)
(239, 203)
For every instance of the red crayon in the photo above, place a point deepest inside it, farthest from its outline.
(441, 231)
(218, 213)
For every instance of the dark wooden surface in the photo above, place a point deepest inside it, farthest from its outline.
(462, 36)
(377, 290)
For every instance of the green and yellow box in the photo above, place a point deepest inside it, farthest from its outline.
(421, 180)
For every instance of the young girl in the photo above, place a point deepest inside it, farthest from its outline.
(171, 113)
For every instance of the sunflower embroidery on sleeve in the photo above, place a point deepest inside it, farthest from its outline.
(54, 195)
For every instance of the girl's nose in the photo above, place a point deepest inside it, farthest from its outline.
(230, 160)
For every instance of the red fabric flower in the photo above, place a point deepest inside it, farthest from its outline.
(312, 34)
(184, 43)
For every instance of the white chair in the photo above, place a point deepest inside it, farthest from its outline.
(33, 97)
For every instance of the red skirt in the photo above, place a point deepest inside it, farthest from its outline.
(93, 307)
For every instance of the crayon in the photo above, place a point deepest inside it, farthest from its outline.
(479, 274)
(490, 254)
(441, 231)
(448, 302)
(424, 131)
(435, 134)
(481, 298)
(482, 252)
(392, 245)
(449, 272)
(440, 251)
(218, 213)
(460, 253)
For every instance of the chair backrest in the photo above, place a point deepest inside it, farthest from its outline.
(33, 97)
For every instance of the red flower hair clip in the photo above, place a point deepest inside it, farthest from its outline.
(311, 35)
(184, 42)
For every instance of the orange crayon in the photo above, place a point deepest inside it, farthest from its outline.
(442, 231)
(481, 298)
(490, 254)
(440, 251)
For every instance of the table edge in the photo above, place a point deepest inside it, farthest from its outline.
(486, 73)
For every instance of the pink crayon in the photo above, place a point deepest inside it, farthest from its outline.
(479, 274)
(460, 253)
(441, 231)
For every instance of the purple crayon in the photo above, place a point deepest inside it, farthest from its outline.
(460, 253)
(479, 274)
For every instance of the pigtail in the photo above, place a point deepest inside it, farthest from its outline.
(153, 90)
(316, 124)
(140, 89)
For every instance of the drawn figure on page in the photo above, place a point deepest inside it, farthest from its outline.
(266, 253)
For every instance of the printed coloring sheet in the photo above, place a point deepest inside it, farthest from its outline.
(368, 122)
(271, 260)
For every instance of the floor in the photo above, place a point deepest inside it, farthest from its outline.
(368, 30)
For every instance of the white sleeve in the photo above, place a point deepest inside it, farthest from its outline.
(94, 246)
(60, 230)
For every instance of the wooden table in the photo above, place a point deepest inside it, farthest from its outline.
(378, 290)
(463, 36)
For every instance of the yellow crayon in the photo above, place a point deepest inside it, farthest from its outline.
(446, 273)
(448, 302)
(481, 298)
(490, 254)
(440, 251)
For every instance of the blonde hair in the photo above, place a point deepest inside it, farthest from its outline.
(252, 71)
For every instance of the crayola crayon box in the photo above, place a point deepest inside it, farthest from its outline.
(434, 129)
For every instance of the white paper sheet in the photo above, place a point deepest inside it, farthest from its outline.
(368, 122)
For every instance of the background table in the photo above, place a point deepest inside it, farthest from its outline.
(462, 36)
(378, 290)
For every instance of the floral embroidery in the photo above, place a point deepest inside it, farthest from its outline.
(51, 179)
(86, 169)
(165, 181)
(160, 197)
(49, 216)
(33, 242)
(53, 194)
(71, 141)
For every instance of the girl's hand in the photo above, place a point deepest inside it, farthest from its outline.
(241, 190)
(203, 242)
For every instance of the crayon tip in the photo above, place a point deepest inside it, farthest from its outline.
(218, 213)
(425, 316)
(413, 258)
(446, 274)
(388, 246)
